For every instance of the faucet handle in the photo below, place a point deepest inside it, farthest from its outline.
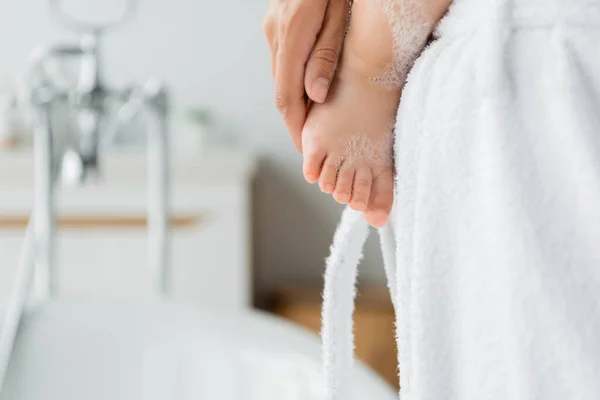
(72, 170)
(56, 7)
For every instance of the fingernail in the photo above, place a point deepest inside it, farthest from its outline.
(319, 89)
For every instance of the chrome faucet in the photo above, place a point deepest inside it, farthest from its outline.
(76, 158)
(79, 155)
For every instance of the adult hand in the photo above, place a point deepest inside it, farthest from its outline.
(305, 39)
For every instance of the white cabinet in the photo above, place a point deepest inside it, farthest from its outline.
(102, 241)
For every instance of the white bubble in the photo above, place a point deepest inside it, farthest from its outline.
(410, 28)
(373, 149)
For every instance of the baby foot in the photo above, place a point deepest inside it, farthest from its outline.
(348, 140)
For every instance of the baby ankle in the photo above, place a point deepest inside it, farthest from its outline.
(410, 25)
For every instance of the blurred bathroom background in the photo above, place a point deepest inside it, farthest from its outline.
(248, 231)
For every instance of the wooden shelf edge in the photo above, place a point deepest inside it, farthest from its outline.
(112, 221)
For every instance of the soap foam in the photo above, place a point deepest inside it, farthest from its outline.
(410, 29)
(377, 151)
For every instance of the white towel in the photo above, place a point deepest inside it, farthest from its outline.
(497, 207)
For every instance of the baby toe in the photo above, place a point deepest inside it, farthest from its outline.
(329, 174)
(343, 187)
(381, 199)
(313, 162)
(362, 189)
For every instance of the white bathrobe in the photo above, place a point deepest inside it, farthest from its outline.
(496, 221)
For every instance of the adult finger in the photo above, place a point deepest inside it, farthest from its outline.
(270, 31)
(297, 34)
(324, 57)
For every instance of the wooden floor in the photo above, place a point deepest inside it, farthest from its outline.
(374, 322)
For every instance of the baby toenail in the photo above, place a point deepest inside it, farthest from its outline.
(327, 188)
(342, 197)
(358, 206)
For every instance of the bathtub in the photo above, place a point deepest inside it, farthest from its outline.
(85, 349)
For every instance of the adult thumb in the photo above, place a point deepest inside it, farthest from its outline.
(323, 60)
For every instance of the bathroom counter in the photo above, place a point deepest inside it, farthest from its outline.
(102, 240)
(217, 164)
